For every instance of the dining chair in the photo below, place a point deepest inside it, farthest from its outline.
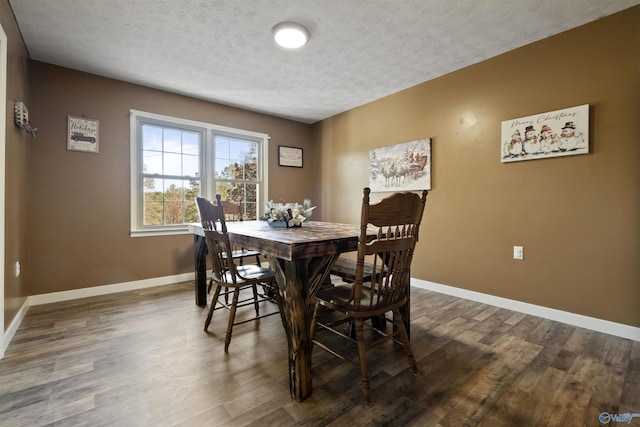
(232, 212)
(397, 221)
(230, 278)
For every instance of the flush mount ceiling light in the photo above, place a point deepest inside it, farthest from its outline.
(290, 35)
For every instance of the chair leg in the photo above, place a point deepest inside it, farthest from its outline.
(362, 355)
(232, 317)
(216, 294)
(402, 331)
(255, 299)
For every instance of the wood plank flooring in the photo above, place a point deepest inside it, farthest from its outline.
(141, 358)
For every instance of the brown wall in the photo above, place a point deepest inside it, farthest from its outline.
(15, 169)
(78, 203)
(67, 213)
(577, 217)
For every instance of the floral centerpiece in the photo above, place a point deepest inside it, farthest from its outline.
(287, 214)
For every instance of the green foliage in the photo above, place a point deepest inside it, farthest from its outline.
(176, 205)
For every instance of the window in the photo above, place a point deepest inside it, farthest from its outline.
(175, 160)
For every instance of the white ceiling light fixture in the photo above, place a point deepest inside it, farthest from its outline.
(290, 35)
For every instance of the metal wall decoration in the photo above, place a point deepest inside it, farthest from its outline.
(556, 133)
(82, 134)
(401, 167)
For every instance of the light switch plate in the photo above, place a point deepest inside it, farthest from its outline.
(518, 252)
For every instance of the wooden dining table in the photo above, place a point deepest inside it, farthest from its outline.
(301, 258)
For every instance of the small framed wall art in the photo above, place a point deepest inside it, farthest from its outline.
(289, 156)
(82, 134)
(541, 136)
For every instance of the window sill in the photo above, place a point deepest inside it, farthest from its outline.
(160, 232)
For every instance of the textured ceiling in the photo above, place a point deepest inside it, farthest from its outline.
(222, 50)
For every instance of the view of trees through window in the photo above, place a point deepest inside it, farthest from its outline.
(173, 205)
(236, 172)
(172, 176)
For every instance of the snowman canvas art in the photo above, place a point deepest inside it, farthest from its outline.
(552, 134)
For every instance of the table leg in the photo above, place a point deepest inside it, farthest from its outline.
(292, 277)
(200, 261)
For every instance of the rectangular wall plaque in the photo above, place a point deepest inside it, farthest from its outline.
(82, 134)
(289, 156)
(541, 136)
(401, 167)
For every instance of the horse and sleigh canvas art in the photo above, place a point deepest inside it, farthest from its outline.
(401, 167)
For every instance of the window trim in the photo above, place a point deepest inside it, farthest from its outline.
(206, 159)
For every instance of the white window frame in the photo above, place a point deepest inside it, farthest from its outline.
(206, 165)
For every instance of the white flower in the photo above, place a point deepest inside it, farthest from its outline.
(293, 214)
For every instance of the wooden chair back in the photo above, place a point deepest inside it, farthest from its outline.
(397, 219)
(212, 214)
(223, 268)
(232, 210)
(212, 217)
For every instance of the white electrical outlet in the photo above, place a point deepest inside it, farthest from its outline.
(17, 268)
(518, 252)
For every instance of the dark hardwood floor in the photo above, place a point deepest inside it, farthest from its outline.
(141, 358)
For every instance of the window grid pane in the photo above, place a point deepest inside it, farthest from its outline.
(170, 174)
(236, 172)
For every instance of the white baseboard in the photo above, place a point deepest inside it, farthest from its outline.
(87, 292)
(608, 327)
(107, 289)
(13, 327)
